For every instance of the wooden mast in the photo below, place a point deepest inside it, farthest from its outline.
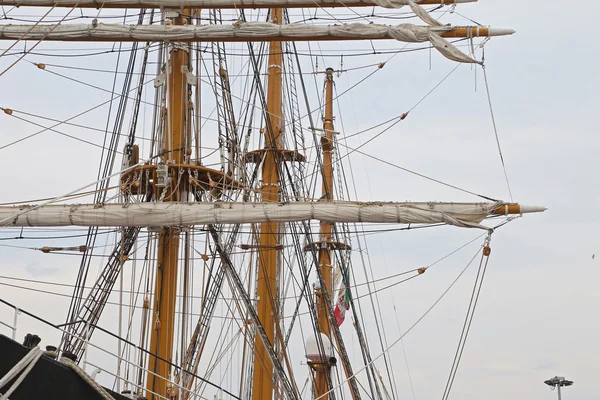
(262, 388)
(163, 315)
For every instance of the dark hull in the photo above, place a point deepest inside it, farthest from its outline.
(48, 380)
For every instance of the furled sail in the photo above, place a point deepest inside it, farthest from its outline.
(423, 14)
(182, 214)
(253, 32)
(210, 4)
(239, 32)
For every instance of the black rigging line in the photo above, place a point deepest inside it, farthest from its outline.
(377, 324)
(21, 237)
(332, 53)
(72, 18)
(177, 367)
(100, 196)
(283, 171)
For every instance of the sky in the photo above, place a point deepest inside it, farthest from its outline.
(537, 315)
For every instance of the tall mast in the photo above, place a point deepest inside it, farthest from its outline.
(323, 370)
(262, 387)
(163, 315)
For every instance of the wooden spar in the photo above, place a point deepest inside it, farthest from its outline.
(162, 321)
(323, 370)
(209, 4)
(185, 214)
(242, 32)
(266, 307)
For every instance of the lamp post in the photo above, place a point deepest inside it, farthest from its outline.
(558, 382)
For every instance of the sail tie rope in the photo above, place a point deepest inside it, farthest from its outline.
(88, 379)
(26, 365)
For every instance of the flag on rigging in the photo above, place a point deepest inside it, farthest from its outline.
(343, 304)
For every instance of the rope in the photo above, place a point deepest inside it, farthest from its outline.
(26, 365)
(51, 198)
(469, 317)
(487, 89)
(45, 128)
(6, 221)
(25, 34)
(416, 173)
(435, 303)
(39, 41)
(88, 379)
(28, 362)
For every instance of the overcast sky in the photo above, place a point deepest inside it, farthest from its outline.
(538, 314)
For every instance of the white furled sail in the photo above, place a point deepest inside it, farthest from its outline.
(240, 31)
(210, 4)
(423, 14)
(183, 214)
(252, 32)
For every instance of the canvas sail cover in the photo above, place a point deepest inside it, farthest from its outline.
(246, 31)
(183, 214)
(209, 4)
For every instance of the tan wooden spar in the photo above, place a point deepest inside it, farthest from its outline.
(223, 4)
(323, 370)
(239, 32)
(266, 306)
(162, 322)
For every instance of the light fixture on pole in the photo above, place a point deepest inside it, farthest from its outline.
(558, 382)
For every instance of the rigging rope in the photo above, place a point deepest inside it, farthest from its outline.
(384, 342)
(412, 326)
(487, 89)
(399, 118)
(418, 174)
(298, 297)
(469, 317)
(39, 41)
(26, 365)
(9, 111)
(45, 128)
(29, 30)
(88, 379)
(50, 198)
(142, 350)
(5, 222)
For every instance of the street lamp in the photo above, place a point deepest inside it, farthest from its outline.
(558, 381)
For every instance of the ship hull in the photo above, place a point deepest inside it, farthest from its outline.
(48, 380)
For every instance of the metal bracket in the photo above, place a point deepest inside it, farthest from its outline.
(159, 80)
(189, 76)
